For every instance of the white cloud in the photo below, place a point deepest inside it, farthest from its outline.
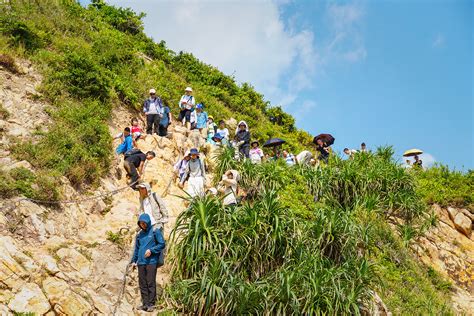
(438, 41)
(246, 38)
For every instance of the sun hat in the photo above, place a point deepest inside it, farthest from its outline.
(152, 91)
(199, 106)
(194, 151)
(188, 89)
(210, 117)
(217, 136)
(255, 142)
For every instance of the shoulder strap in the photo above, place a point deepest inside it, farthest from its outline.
(156, 200)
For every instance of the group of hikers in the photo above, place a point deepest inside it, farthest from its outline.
(191, 169)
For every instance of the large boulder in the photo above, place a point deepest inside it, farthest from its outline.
(463, 224)
(74, 259)
(30, 299)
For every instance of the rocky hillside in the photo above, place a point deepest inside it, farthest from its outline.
(70, 77)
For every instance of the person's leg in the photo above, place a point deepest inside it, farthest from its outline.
(204, 132)
(126, 166)
(163, 131)
(187, 115)
(151, 283)
(156, 123)
(149, 123)
(133, 175)
(143, 284)
(247, 151)
(182, 116)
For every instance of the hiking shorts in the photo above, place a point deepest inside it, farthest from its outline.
(185, 114)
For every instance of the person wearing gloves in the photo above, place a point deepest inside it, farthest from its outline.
(242, 138)
(149, 243)
(153, 107)
(186, 105)
(228, 186)
(153, 205)
(196, 173)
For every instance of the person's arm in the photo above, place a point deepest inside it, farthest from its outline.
(203, 170)
(140, 167)
(160, 242)
(169, 115)
(246, 137)
(186, 173)
(135, 252)
(145, 107)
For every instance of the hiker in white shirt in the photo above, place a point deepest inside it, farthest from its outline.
(186, 105)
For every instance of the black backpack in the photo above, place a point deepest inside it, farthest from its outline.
(132, 152)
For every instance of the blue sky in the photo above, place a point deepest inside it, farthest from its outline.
(382, 72)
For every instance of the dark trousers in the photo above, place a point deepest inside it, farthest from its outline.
(147, 283)
(152, 122)
(245, 150)
(184, 113)
(132, 172)
(163, 130)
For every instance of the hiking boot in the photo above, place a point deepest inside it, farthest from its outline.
(150, 308)
(142, 308)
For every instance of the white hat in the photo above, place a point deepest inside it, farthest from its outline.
(188, 89)
(152, 91)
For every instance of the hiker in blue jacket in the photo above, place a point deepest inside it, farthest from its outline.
(149, 244)
(127, 143)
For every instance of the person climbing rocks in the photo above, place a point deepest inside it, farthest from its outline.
(180, 167)
(127, 143)
(165, 120)
(350, 152)
(229, 187)
(304, 158)
(149, 243)
(133, 164)
(417, 163)
(152, 204)
(323, 150)
(223, 130)
(211, 129)
(201, 120)
(289, 158)
(152, 108)
(255, 153)
(195, 174)
(186, 105)
(242, 138)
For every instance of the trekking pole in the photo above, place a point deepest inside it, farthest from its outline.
(124, 280)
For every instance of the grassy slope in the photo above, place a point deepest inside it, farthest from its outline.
(92, 61)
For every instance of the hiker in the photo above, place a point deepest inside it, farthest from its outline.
(350, 152)
(201, 120)
(276, 153)
(363, 148)
(186, 105)
(229, 187)
(289, 158)
(242, 138)
(133, 164)
(165, 120)
(408, 164)
(136, 130)
(304, 158)
(220, 141)
(180, 166)
(211, 129)
(223, 130)
(194, 174)
(149, 244)
(152, 204)
(417, 163)
(152, 108)
(127, 143)
(323, 150)
(255, 153)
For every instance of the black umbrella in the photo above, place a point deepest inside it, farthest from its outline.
(328, 139)
(272, 142)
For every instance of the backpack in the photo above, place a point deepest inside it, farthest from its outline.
(161, 256)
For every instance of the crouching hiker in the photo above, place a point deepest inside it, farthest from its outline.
(152, 204)
(195, 174)
(149, 243)
(229, 187)
(133, 164)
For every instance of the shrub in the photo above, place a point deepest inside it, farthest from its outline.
(8, 62)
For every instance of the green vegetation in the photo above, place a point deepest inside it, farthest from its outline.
(22, 181)
(98, 58)
(446, 187)
(306, 241)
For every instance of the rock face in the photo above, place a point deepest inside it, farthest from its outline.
(449, 249)
(29, 299)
